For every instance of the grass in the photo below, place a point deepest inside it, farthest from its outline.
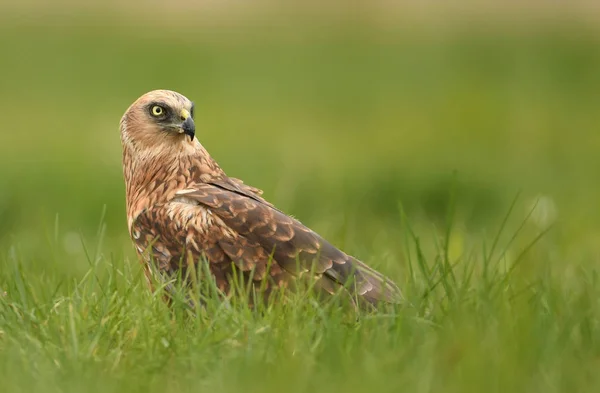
(469, 323)
(405, 148)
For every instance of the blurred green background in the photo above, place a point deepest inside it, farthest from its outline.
(341, 113)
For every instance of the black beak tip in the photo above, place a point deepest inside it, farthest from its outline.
(189, 128)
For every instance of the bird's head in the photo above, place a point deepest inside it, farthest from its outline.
(157, 117)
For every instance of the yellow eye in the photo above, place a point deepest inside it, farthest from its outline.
(157, 110)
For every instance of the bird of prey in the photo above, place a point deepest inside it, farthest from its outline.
(183, 209)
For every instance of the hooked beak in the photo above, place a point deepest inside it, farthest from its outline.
(188, 126)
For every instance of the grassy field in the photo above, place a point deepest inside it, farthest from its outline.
(462, 162)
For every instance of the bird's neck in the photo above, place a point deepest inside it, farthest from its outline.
(155, 176)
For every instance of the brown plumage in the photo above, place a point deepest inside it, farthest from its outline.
(182, 208)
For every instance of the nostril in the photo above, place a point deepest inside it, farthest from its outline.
(183, 118)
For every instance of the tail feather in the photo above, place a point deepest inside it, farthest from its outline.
(374, 286)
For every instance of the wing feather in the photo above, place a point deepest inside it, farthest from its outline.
(263, 231)
(226, 223)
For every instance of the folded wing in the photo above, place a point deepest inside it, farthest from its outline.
(256, 231)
